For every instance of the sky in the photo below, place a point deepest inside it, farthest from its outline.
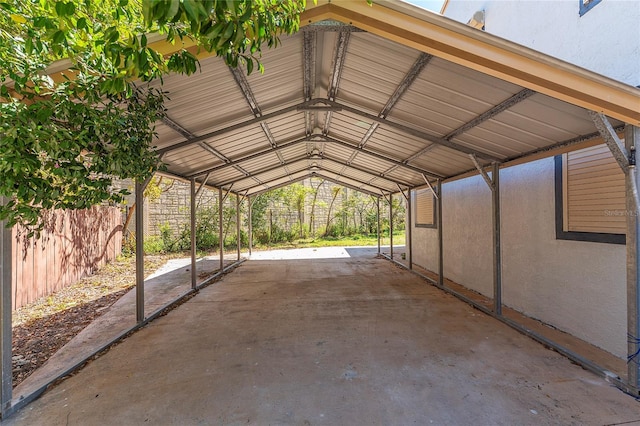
(434, 5)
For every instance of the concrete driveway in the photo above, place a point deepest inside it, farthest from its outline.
(340, 341)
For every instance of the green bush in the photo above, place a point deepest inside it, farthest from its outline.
(153, 245)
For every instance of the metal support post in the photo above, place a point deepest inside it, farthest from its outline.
(378, 220)
(140, 251)
(220, 218)
(193, 234)
(408, 231)
(497, 253)
(250, 225)
(6, 387)
(494, 185)
(238, 239)
(632, 138)
(440, 242)
(391, 225)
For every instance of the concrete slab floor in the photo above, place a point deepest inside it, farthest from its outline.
(343, 341)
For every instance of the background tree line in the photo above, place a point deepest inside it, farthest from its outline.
(299, 214)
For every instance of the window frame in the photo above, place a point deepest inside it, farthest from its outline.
(561, 234)
(433, 225)
(584, 8)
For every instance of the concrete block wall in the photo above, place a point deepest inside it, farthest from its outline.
(578, 287)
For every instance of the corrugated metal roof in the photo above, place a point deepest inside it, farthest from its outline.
(385, 115)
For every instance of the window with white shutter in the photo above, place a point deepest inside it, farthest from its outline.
(425, 211)
(592, 203)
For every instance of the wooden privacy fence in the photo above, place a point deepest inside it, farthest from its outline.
(73, 246)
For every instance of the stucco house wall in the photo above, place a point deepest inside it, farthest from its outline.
(606, 39)
(578, 287)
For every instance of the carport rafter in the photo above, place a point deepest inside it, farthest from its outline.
(306, 157)
(245, 87)
(232, 128)
(310, 175)
(336, 73)
(308, 72)
(408, 79)
(184, 132)
(487, 115)
(417, 133)
(318, 138)
(485, 53)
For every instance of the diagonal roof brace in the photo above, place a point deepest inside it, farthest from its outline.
(490, 113)
(256, 120)
(433, 191)
(418, 133)
(406, 196)
(616, 146)
(243, 83)
(202, 184)
(483, 173)
(184, 132)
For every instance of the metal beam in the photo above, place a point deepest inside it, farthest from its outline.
(6, 261)
(338, 63)
(378, 221)
(616, 146)
(315, 174)
(391, 225)
(220, 218)
(202, 184)
(250, 224)
(192, 214)
(308, 73)
(408, 228)
(307, 158)
(245, 87)
(401, 89)
(315, 139)
(382, 157)
(219, 132)
(406, 82)
(483, 173)
(238, 239)
(497, 245)
(139, 218)
(492, 112)
(265, 170)
(417, 133)
(440, 237)
(632, 139)
(334, 80)
(184, 132)
(368, 171)
(435, 195)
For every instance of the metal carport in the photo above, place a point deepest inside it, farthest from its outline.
(385, 99)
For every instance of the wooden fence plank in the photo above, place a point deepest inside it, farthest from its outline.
(79, 243)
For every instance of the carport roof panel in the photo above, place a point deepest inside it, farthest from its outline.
(413, 120)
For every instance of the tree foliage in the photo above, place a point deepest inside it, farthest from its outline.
(63, 139)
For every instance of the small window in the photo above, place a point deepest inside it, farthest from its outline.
(425, 211)
(586, 5)
(590, 197)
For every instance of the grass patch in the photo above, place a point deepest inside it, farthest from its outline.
(356, 240)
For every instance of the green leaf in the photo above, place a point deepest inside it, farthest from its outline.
(81, 24)
(59, 37)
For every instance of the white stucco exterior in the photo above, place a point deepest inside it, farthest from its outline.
(606, 39)
(578, 287)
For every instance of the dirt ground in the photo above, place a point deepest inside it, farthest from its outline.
(44, 326)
